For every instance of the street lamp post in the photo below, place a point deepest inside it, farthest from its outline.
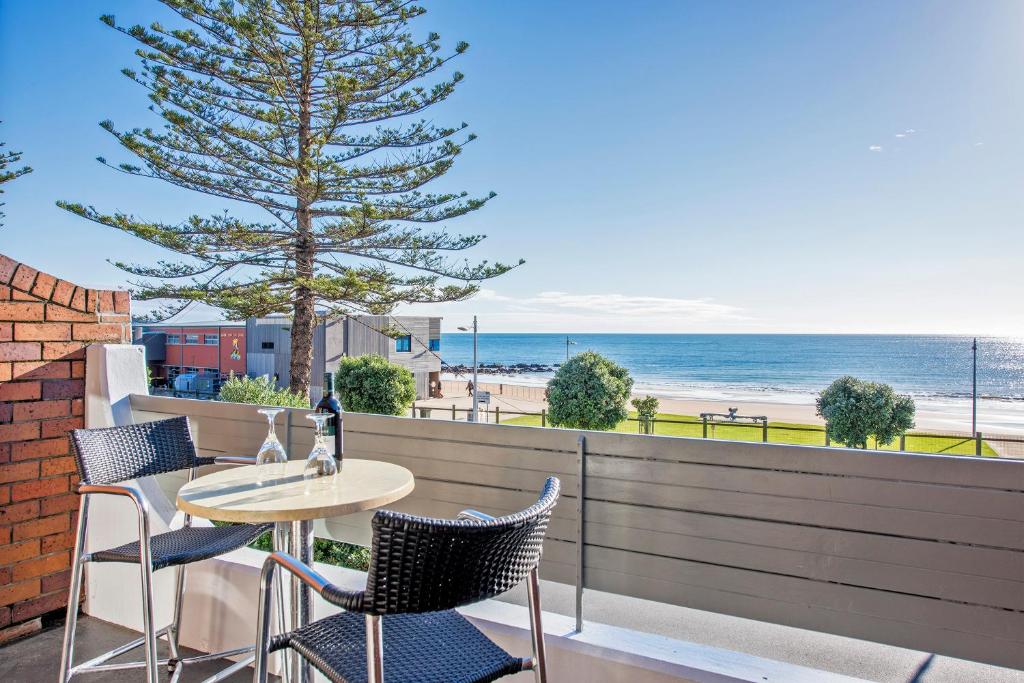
(476, 404)
(974, 387)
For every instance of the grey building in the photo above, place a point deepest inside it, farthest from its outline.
(413, 342)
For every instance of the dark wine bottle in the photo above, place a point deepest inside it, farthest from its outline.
(335, 426)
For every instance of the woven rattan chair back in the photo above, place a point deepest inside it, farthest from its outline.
(419, 564)
(112, 454)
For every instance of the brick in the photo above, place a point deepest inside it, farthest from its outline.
(56, 504)
(78, 369)
(62, 292)
(122, 302)
(16, 592)
(78, 301)
(56, 466)
(68, 315)
(6, 372)
(20, 391)
(56, 582)
(78, 404)
(41, 410)
(6, 332)
(41, 566)
(19, 631)
(106, 301)
(5, 452)
(44, 285)
(40, 605)
(93, 331)
(60, 350)
(21, 551)
(91, 303)
(5, 293)
(18, 471)
(5, 575)
(39, 448)
(42, 331)
(5, 535)
(18, 295)
(40, 488)
(13, 351)
(6, 412)
(63, 388)
(55, 428)
(23, 278)
(44, 526)
(19, 431)
(7, 268)
(41, 370)
(5, 498)
(21, 311)
(20, 512)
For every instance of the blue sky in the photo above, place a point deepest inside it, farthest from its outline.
(662, 166)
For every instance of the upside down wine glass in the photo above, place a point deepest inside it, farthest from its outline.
(272, 456)
(320, 462)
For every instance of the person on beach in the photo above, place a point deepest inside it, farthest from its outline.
(469, 388)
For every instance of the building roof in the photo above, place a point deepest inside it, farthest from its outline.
(197, 324)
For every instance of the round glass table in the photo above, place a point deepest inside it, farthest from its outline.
(278, 493)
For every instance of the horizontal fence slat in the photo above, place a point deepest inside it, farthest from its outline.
(910, 523)
(846, 489)
(758, 533)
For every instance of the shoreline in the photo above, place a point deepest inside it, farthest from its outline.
(998, 416)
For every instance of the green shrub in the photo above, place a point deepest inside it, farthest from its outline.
(589, 392)
(372, 384)
(855, 410)
(646, 409)
(327, 551)
(260, 391)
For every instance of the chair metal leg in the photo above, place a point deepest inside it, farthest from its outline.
(374, 649)
(74, 593)
(149, 631)
(263, 622)
(174, 630)
(540, 663)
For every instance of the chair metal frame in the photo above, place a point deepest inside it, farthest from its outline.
(374, 635)
(174, 662)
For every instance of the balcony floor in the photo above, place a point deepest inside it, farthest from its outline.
(37, 657)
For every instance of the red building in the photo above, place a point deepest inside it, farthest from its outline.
(215, 348)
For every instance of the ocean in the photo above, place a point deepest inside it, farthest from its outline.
(780, 368)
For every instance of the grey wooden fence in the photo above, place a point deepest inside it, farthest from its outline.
(918, 551)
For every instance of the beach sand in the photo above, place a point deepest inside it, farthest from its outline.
(512, 397)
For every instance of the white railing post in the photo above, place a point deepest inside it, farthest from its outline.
(581, 473)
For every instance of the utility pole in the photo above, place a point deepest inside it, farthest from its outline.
(974, 387)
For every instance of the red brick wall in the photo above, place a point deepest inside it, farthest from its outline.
(45, 325)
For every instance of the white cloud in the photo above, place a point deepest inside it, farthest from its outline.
(875, 148)
(901, 135)
(696, 310)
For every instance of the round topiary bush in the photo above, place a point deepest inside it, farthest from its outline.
(259, 391)
(372, 384)
(589, 392)
(855, 410)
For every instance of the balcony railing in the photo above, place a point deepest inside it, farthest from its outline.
(917, 551)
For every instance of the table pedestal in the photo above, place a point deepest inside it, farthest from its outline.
(300, 546)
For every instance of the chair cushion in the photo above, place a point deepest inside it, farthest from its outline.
(437, 647)
(186, 545)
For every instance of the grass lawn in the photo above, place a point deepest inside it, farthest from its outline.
(778, 432)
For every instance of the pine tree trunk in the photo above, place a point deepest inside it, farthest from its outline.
(304, 316)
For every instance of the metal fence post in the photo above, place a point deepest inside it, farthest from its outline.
(581, 473)
(705, 421)
(497, 415)
(903, 442)
(828, 439)
(543, 417)
(764, 431)
(977, 443)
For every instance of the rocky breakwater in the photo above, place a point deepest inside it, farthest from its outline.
(500, 369)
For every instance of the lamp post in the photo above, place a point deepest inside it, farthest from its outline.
(567, 343)
(476, 404)
(974, 387)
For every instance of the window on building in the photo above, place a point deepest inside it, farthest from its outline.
(191, 338)
(211, 339)
(173, 339)
(403, 344)
(435, 344)
(267, 345)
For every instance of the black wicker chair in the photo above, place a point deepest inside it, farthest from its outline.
(117, 454)
(404, 622)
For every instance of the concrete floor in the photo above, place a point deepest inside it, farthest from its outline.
(37, 657)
